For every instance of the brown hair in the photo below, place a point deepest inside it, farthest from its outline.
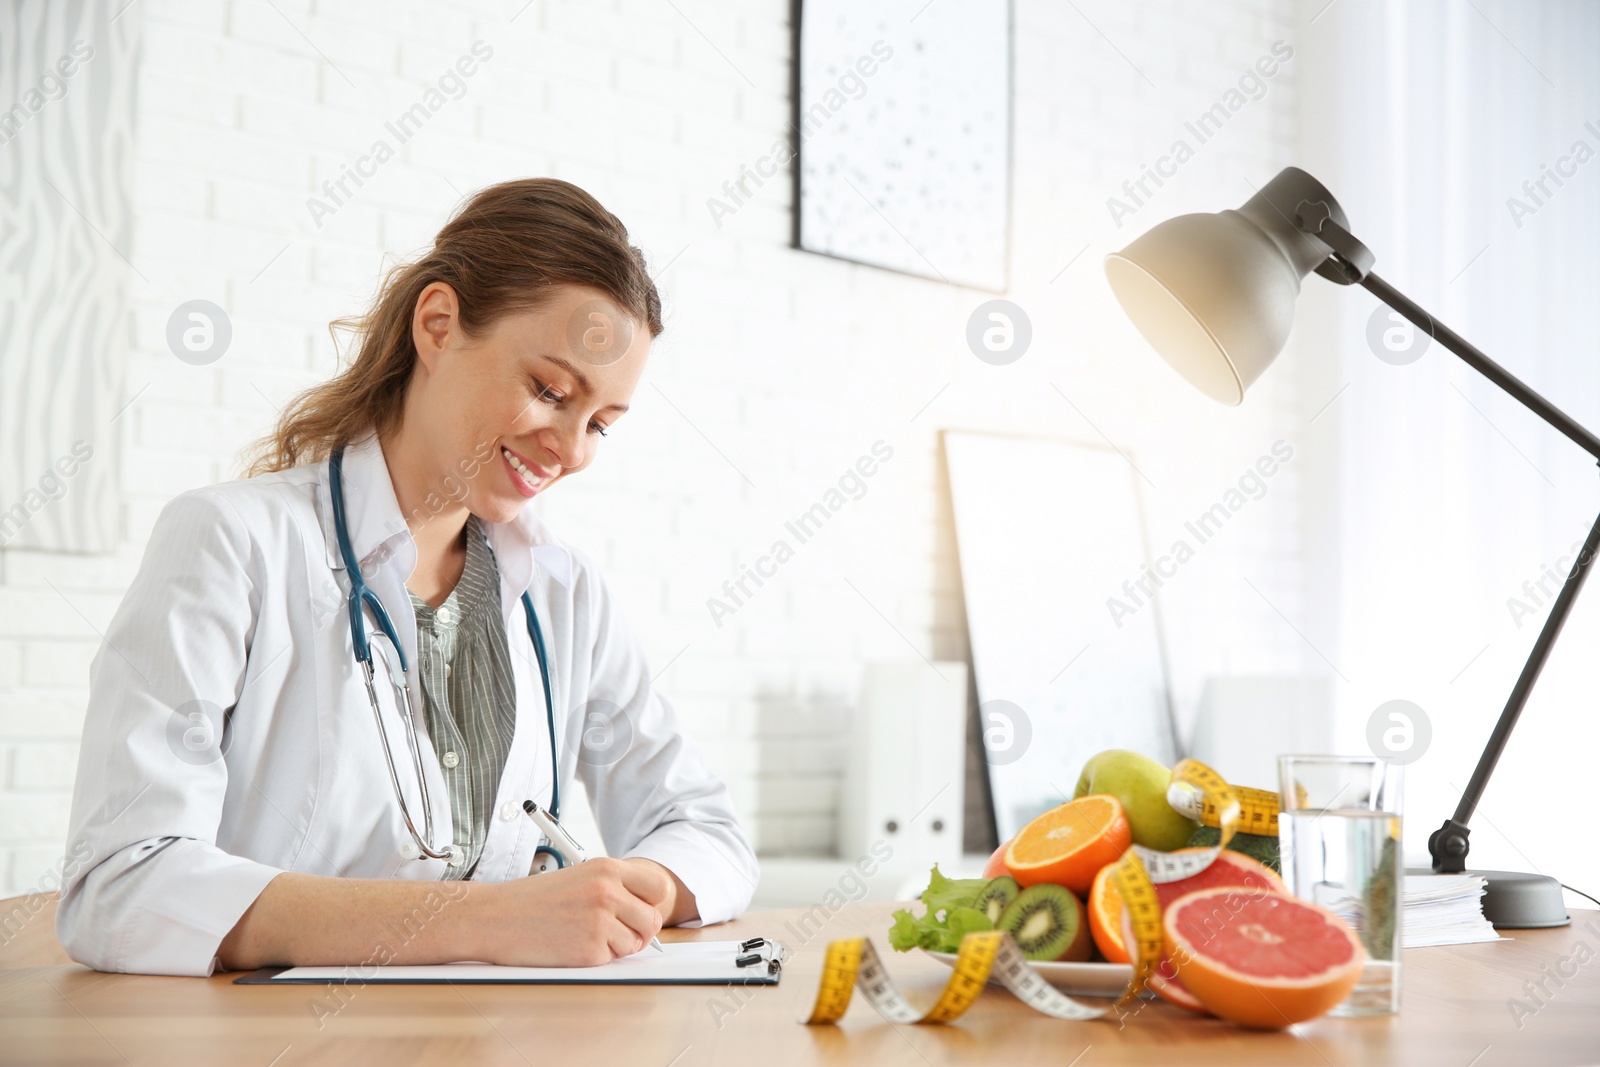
(502, 253)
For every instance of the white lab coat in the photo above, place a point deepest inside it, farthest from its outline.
(239, 604)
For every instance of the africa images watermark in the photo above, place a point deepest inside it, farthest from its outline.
(1252, 486)
(1548, 584)
(1538, 191)
(1252, 86)
(452, 490)
(451, 85)
(1538, 991)
(804, 527)
(26, 907)
(52, 487)
(338, 994)
(52, 86)
(852, 82)
(1399, 731)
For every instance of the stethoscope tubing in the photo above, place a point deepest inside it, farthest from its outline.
(361, 595)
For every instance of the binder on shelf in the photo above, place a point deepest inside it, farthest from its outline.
(905, 772)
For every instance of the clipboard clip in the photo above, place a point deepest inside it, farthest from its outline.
(760, 950)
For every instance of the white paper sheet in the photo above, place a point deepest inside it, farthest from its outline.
(687, 963)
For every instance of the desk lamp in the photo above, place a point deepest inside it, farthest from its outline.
(1214, 294)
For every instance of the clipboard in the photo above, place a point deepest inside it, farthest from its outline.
(756, 961)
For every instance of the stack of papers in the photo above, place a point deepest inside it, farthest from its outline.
(1443, 909)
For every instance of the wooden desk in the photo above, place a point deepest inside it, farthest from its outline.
(1454, 1015)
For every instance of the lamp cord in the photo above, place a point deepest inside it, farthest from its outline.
(1580, 893)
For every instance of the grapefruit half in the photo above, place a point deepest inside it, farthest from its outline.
(1260, 959)
(1230, 870)
(997, 862)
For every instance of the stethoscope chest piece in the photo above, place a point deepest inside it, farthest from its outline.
(547, 860)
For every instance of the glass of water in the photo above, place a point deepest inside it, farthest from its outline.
(1339, 836)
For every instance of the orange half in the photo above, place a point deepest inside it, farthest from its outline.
(1105, 916)
(1068, 845)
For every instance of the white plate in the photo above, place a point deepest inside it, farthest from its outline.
(1080, 979)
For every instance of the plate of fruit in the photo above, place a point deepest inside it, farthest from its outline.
(1076, 947)
(1051, 927)
(1050, 885)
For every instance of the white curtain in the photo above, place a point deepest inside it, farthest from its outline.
(1426, 120)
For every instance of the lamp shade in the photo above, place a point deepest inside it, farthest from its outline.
(1214, 294)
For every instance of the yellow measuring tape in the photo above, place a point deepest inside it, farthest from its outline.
(1195, 790)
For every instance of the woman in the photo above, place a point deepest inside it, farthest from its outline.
(235, 798)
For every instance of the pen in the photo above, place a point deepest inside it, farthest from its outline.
(565, 842)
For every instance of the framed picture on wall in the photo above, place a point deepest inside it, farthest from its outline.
(902, 131)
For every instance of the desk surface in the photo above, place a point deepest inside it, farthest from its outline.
(1454, 1013)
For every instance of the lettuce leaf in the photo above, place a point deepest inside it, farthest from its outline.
(962, 922)
(944, 893)
(950, 916)
(909, 932)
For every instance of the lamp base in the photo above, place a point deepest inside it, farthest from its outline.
(1516, 901)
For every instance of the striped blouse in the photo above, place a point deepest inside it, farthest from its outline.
(469, 697)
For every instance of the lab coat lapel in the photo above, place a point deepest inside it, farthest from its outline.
(378, 534)
(518, 546)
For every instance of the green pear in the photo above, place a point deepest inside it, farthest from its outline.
(1140, 783)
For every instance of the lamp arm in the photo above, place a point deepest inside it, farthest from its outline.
(1349, 262)
(1448, 844)
(1481, 363)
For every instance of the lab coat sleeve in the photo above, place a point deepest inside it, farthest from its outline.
(651, 790)
(153, 893)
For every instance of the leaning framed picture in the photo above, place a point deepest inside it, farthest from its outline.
(1047, 531)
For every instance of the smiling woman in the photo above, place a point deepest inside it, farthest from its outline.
(513, 248)
(278, 826)
(468, 367)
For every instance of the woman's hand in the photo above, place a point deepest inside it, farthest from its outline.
(579, 916)
(680, 906)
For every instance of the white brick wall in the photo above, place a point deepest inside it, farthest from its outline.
(791, 365)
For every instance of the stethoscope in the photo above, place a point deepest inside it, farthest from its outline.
(359, 594)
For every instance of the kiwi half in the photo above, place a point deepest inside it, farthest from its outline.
(1047, 923)
(993, 898)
